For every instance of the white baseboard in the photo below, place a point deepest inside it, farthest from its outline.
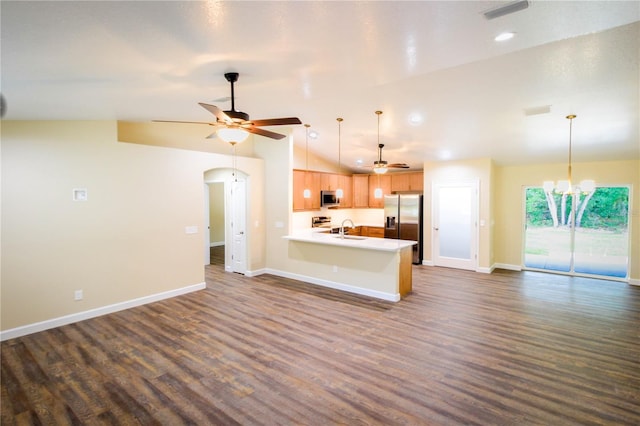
(216, 244)
(484, 270)
(335, 285)
(255, 273)
(507, 266)
(92, 313)
(426, 262)
(634, 281)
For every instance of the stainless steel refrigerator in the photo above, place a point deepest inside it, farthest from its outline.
(403, 220)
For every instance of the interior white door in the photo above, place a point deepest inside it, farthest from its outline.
(207, 225)
(455, 230)
(239, 226)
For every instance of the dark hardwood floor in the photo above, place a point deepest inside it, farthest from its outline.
(464, 348)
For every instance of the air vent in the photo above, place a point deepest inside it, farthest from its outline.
(506, 9)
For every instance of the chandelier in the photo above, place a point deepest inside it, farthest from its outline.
(565, 186)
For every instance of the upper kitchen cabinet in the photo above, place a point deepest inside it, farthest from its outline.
(306, 180)
(346, 183)
(411, 181)
(360, 191)
(328, 181)
(379, 181)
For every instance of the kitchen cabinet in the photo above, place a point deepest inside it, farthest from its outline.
(374, 231)
(298, 189)
(312, 181)
(411, 181)
(360, 191)
(378, 181)
(306, 180)
(328, 181)
(346, 183)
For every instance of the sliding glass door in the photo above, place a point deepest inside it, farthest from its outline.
(585, 234)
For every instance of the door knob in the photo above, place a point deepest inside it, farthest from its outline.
(435, 229)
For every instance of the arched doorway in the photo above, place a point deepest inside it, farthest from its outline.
(227, 245)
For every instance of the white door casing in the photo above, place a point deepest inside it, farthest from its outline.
(455, 224)
(238, 224)
(207, 225)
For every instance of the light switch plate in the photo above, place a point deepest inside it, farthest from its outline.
(80, 194)
(190, 229)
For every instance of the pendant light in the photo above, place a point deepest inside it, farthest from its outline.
(307, 191)
(565, 186)
(379, 167)
(339, 191)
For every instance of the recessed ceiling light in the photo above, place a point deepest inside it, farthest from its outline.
(504, 36)
(313, 134)
(415, 119)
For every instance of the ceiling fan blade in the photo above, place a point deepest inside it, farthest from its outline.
(277, 121)
(184, 122)
(220, 115)
(398, 166)
(266, 133)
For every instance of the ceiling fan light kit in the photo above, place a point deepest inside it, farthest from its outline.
(234, 126)
(232, 134)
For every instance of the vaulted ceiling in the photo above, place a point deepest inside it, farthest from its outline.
(446, 88)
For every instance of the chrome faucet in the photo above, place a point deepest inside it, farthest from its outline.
(342, 227)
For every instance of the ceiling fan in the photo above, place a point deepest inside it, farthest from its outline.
(234, 126)
(380, 166)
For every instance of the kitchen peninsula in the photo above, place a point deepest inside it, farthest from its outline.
(376, 267)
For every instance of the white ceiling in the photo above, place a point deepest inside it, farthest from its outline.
(145, 60)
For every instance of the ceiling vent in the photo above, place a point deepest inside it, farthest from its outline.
(506, 9)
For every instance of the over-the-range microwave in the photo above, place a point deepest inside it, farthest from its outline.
(329, 199)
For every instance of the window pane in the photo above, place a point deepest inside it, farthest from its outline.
(602, 237)
(547, 235)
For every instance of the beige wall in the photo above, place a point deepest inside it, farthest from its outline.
(315, 163)
(126, 241)
(216, 213)
(511, 181)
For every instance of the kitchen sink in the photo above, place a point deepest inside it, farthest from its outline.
(350, 237)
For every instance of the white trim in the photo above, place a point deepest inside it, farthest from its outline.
(256, 273)
(92, 313)
(216, 244)
(335, 285)
(483, 270)
(427, 262)
(633, 281)
(507, 266)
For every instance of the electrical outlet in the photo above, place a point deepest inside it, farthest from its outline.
(77, 295)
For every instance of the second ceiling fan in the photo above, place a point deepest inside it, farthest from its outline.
(232, 124)
(380, 166)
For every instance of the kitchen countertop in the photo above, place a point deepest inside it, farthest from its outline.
(319, 236)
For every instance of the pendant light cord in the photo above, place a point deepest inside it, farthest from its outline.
(570, 117)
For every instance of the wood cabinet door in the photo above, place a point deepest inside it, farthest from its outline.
(400, 182)
(328, 181)
(298, 190)
(412, 181)
(360, 191)
(375, 231)
(312, 181)
(416, 181)
(345, 182)
(379, 181)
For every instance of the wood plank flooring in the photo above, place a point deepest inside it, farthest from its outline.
(463, 348)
